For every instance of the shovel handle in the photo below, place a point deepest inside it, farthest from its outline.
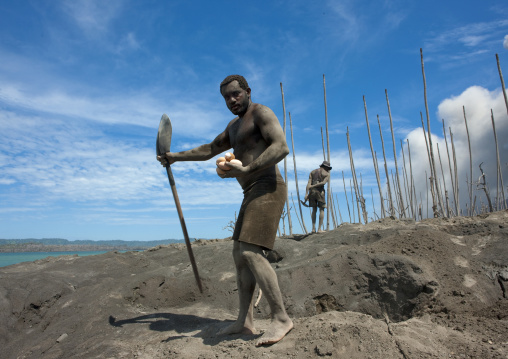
(184, 227)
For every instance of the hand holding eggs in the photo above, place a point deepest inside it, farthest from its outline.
(221, 163)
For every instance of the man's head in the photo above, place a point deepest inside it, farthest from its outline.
(326, 165)
(241, 81)
(236, 93)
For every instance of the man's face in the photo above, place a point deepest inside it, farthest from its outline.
(237, 99)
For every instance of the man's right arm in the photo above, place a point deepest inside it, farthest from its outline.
(201, 153)
(309, 183)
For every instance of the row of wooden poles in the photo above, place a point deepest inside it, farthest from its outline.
(401, 198)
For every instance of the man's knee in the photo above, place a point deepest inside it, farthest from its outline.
(249, 253)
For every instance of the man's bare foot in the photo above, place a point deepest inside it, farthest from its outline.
(321, 231)
(237, 328)
(275, 333)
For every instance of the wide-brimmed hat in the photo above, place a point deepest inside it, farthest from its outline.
(326, 164)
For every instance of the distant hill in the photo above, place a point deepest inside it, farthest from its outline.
(60, 244)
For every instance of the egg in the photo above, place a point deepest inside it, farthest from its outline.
(222, 166)
(229, 156)
(238, 162)
(220, 159)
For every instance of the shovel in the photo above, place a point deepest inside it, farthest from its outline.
(305, 204)
(162, 146)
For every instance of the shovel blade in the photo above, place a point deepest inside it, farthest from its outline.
(163, 143)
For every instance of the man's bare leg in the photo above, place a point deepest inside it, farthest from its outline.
(246, 283)
(321, 218)
(313, 217)
(266, 278)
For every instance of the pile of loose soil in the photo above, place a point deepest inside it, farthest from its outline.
(388, 289)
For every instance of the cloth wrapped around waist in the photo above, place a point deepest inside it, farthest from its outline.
(260, 212)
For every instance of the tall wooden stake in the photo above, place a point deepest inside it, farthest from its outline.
(285, 164)
(328, 148)
(390, 199)
(296, 175)
(457, 198)
(450, 168)
(434, 205)
(470, 165)
(376, 170)
(444, 183)
(359, 198)
(345, 193)
(499, 171)
(433, 163)
(402, 210)
(502, 83)
(407, 184)
(323, 144)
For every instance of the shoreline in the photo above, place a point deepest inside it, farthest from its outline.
(66, 248)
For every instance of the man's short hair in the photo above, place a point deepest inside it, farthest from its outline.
(241, 81)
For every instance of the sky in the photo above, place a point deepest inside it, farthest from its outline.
(84, 83)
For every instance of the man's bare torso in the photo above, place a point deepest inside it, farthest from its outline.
(248, 143)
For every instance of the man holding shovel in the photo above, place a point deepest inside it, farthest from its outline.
(315, 193)
(259, 143)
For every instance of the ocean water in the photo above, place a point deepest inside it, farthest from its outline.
(6, 259)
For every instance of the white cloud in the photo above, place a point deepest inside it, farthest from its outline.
(478, 103)
(47, 161)
(138, 108)
(505, 42)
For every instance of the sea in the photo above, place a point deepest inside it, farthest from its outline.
(6, 259)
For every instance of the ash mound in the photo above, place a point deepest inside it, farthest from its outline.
(388, 289)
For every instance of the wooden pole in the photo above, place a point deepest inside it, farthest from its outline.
(373, 206)
(433, 164)
(403, 212)
(407, 184)
(427, 192)
(376, 169)
(363, 202)
(502, 83)
(395, 185)
(391, 209)
(353, 202)
(485, 187)
(338, 208)
(444, 183)
(470, 165)
(332, 206)
(285, 164)
(296, 173)
(383, 214)
(358, 195)
(457, 198)
(434, 205)
(450, 168)
(345, 192)
(499, 171)
(413, 190)
(298, 218)
(323, 144)
(328, 148)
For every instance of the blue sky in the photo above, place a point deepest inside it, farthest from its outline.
(83, 85)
